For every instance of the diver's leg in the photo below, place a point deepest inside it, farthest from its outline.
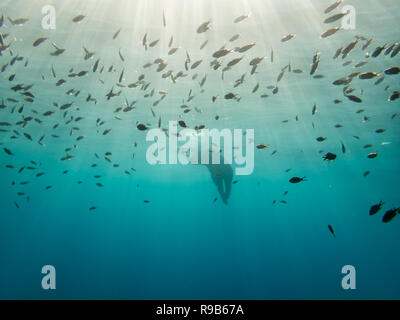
(218, 181)
(227, 188)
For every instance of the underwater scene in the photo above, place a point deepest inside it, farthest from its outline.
(199, 149)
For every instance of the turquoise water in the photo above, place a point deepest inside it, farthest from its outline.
(163, 231)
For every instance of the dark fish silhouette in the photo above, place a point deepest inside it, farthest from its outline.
(297, 179)
(375, 208)
(389, 215)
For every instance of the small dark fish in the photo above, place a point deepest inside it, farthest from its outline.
(297, 179)
(389, 215)
(121, 56)
(39, 41)
(314, 110)
(394, 96)
(164, 20)
(7, 151)
(335, 17)
(372, 155)
(116, 34)
(288, 37)
(392, 71)
(78, 18)
(230, 96)
(182, 124)
(331, 230)
(142, 127)
(354, 99)
(378, 51)
(329, 32)
(204, 27)
(241, 18)
(329, 156)
(96, 65)
(343, 147)
(375, 208)
(333, 6)
(368, 75)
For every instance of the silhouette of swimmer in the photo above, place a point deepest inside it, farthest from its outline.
(222, 176)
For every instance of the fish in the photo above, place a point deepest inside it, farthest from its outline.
(395, 51)
(346, 51)
(375, 208)
(394, 96)
(142, 127)
(390, 215)
(8, 152)
(205, 26)
(354, 98)
(333, 6)
(39, 41)
(288, 37)
(234, 38)
(234, 62)
(241, 18)
(96, 65)
(297, 180)
(392, 71)
(221, 53)
(256, 61)
(314, 109)
(196, 64)
(335, 17)
(245, 47)
(116, 34)
(164, 20)
(329, 156)
(18, 22)
(378, 51)
(88, 54)
(203, 45)
(343, 147)
(330, 32)
(121, 56)
(331, 230)
(172, 51)
(78, 18)
(366, 45)
(338, 53)
(58, 51)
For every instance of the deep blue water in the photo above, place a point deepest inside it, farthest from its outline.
(183, 244)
